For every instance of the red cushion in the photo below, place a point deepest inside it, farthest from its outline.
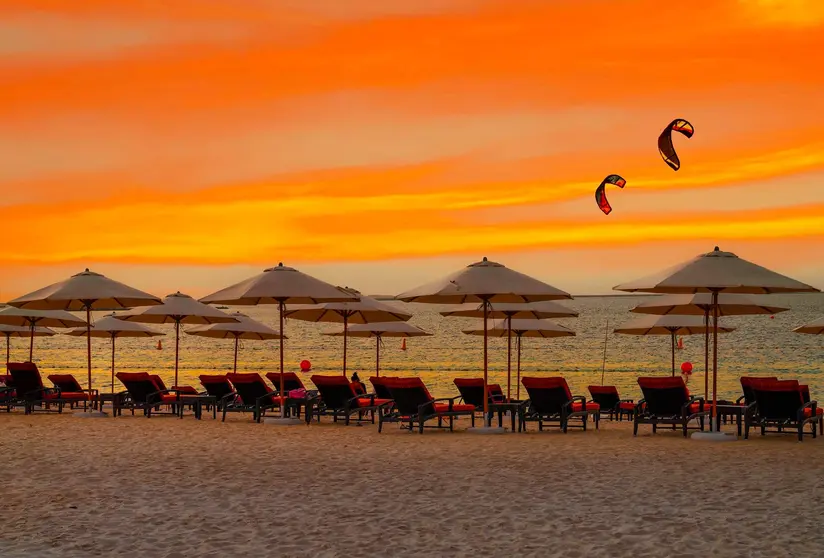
(591, 406)
(185, 390)
(696, 407)
(626, 406)
(779, 385)
(245, 378)
(64, 380)
(367, 402)
(136, 377)
(808, 412)
(274, 377)
(407, 383)
(547, 383)
(603, 390)
(747, 381)
(172, 398)
(461, 408)
(68, 395)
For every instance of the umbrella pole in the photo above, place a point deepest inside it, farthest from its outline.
(88, 348)
(509, 358)
(518, 382)
(236, 341)
(487, 418)
(113, 338)
(377, 355)
(345, 335)
(177, 347)
(706, 353)
(31, 342)
(714, 415)
(672, 334)
(8, 347)
(281, 309)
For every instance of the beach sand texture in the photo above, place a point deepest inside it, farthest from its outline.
(167, 487)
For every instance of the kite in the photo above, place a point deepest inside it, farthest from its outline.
(665, 147)
(601, 195)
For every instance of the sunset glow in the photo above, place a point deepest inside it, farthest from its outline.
(192, 135)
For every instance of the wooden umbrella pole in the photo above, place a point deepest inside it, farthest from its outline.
(518, 382)
(236, 342)
(88, 347)
(177, 346)
(31, 341)
(509, 357)
(487, 418)
(281, 309)
(604, 363)
(8, 347)
(714, 416)
(706, 353)
(345, 339)
(114, 336)
(672, 335)
(377, 355)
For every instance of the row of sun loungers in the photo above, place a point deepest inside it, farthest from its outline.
(767, 403)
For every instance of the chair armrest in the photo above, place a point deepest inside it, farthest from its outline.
(740, 399)
(575, 398)
(268, 395)
(450, 399)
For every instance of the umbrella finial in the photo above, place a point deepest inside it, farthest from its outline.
(717, 249)
(482, 260)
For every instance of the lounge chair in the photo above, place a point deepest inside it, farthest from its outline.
(610, 402)
(551, 401)
(68, 383)
(290, 381)
(781, 405)
(30, 390)
(253, 396)
(143, 393)
(219, 387)
(472, 392)
(339, 396)
(412, 403)
(667, 401)
(746, 386)
(379, 385)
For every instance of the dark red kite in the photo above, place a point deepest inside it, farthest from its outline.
(601, 195)
(665, 147)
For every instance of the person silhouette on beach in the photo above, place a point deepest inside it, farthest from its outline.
(360, 386)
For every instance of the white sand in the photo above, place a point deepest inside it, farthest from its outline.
(133, 486)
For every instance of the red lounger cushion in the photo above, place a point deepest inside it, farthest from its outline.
(626, 406)
(367, 402)
(185, 390)
(136, 377)
(407, 383)
(591, 406)
(213, 379)
(64, 379)
(441, 408)
(603, 390)
(245, 378)
(547, 383)
(696, 407)
(808, 412)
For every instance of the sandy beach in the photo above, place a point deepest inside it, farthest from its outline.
(167, 487)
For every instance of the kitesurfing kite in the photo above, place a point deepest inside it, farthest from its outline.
(665, 147)
(601, 195)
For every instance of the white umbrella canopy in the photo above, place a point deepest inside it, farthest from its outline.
(31, 319)
(716, 272)
(244, 328)
(379, 331)
(700, 304)
(177, 308)
(363, 310)
(812, 328)
(19, 331)
(85, 291)
(486, 283)
(279, 285)
(516, 311)
(109, 327)
(671, 325)
(525, 327)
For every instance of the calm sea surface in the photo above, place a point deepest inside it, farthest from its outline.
(760, 345)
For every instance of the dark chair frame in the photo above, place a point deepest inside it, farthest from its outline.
(257, 399)
(338, 397)
(31, 393)
(550, 401)
(666, 401)
(780, 405)
(610, 402)
(142, 393)
(413, 404)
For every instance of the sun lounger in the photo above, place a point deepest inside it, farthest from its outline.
(144, 393)
(551, 401)
(667, 401)
(290, 381)
(253, 396)
(220, 388)
(472, 392)
(339, 397)
(32, 393)
(781, 406)
(610, 402)
(412, 403)
(746, 386)
(379, 385)
(67, 383)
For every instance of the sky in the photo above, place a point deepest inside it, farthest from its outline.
(189, 144)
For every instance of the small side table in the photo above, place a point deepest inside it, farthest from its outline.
(515, 408)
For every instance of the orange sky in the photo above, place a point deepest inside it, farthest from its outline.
(188, 144)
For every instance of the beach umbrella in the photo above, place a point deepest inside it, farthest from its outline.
(716, 272)
(109, 327)
(279, 285)
(700, 304)
(364, 310)
(523, 328)
(177, 308)
(31, 319)
(19, 331)
(485, 283)
(85, 291)
(671, 325)
(379, 331)
(244, 328)
(510, 311)
(812, 328)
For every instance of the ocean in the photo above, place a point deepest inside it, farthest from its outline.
(759, 346)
